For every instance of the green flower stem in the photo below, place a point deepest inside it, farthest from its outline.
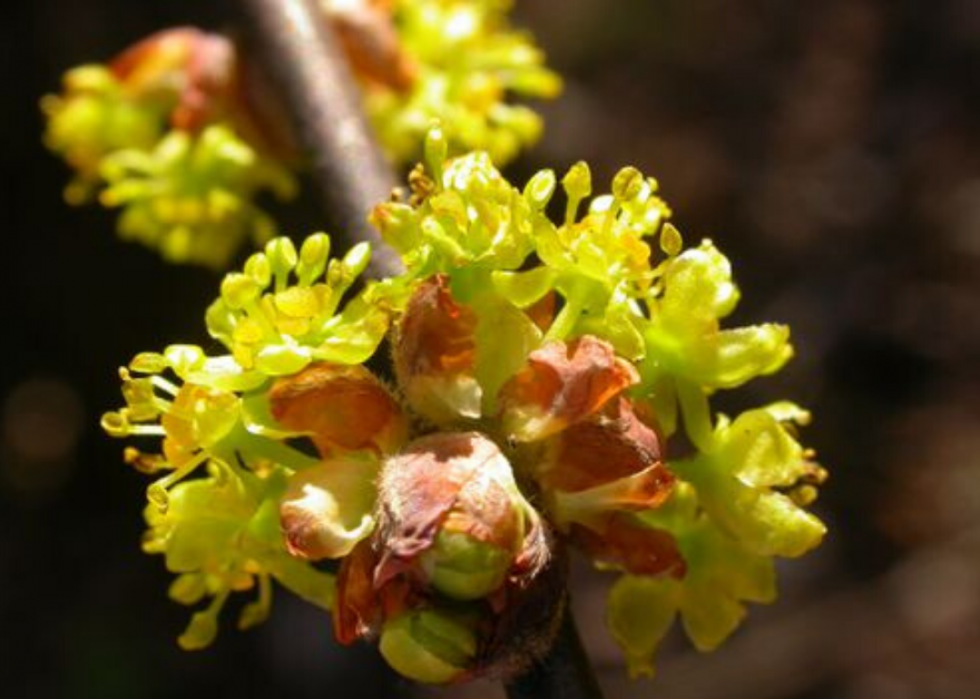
(567, 317)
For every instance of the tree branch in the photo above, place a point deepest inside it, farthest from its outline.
(564, 673)
(305, 61)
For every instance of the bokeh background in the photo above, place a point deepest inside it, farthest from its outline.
(831, 148)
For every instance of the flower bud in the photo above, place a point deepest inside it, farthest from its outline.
(578, 181)
(540, 188)
(463, 567)
(368, 36)
(627, 184)
(429, 645)
(313, 257)
(453, 520)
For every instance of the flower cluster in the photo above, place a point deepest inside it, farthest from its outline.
(228, 459)
(542, 369)
(455, 61)
(586, 349)
(165, 133)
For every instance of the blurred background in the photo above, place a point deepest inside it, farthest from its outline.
(831, 149)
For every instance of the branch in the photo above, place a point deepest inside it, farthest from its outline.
(306, 63)
(564, 673)
(304, 60)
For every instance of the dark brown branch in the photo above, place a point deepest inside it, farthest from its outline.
(299, 51)
(564, 673)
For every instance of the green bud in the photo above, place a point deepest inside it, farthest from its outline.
(429, 645)
(627, 184)
(357, 259)
(313, 258)
(540, 188)
(184, 358)
(149, 363)
(671, 241)
(188, 588)
(282, 256)
(464, 568)
(577, 182)
(115, 424)
(239, 290)
(200, 632)
(258, 268)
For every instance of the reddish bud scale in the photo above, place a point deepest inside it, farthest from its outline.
(367, 33)
(435, 354)
(444, 481)
(542, 311)
(203, 80)
(342, 408)
(361, 606)
(199, 67)
(436, 333)
(611, 444)
(563, 384)
(626, 544)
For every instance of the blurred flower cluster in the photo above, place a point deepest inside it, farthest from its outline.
(457, 61)
(165, 132)
(551, 393)
(179, 134)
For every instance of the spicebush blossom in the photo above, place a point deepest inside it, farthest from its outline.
(543, 372)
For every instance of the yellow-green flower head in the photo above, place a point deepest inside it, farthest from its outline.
(753, 479)
(220, 534)
(467, 221)
(456, 61)
(191, 197)
(610, 341)
(564, 353)
(722, 574)
(160, 131)
(469, 217)
(281, 312)
(229, 480)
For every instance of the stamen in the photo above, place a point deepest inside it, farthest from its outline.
(203, 627)
(257, 612)
(157, 491)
